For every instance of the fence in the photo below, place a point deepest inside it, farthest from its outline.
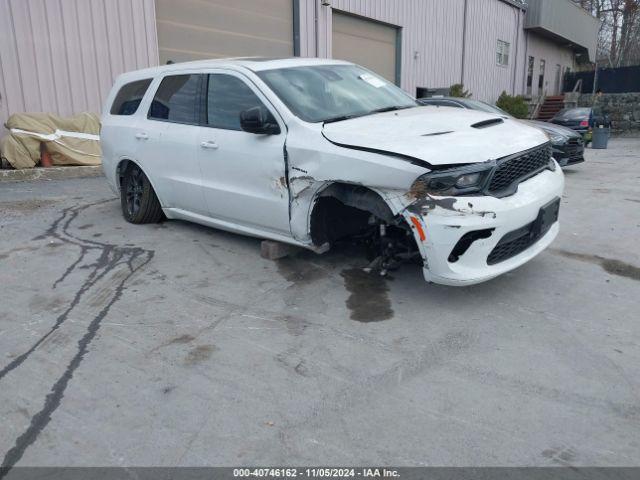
(610, 80)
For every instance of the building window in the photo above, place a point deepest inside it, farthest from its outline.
(530, 75)
(541, 78)
(502, 53)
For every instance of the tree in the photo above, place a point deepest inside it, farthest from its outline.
(457, 90)
(619, 36)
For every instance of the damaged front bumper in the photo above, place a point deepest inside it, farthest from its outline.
(512, 230)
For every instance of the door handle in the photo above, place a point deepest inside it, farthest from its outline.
(209, 144)
(142, 136)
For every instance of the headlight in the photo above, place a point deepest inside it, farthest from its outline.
(453, 181)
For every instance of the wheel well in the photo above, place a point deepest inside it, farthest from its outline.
(120, 169)
(342, 210)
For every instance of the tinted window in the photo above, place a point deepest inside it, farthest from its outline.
(176, 99)
(227, 97)
(129, 97)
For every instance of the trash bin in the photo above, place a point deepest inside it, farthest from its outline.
(600, 137)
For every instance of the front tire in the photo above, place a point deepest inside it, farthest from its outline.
(137, 198)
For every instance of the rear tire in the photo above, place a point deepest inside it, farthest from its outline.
(137, 198)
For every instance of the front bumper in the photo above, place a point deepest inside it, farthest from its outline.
(569, 153)
(445, 224)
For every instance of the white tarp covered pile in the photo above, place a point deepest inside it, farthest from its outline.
(68, 140)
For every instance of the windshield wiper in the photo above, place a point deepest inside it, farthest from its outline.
(341, 118)
(356, 115)
(391, 109)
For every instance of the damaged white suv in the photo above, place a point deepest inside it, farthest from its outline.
(312, 152)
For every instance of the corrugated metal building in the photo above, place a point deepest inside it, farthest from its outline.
(61, 56)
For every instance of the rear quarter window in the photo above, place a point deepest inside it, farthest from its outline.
(129, 97)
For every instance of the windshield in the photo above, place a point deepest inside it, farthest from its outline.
(485, 107)
(323, 93)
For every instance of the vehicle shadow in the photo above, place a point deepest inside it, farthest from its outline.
(371, 297)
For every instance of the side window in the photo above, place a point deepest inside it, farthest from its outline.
(176, 99)
(227, 96)
(129, 97)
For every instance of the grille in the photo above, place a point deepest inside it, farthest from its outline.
(516, 242)
(515, 169)
(506, 250)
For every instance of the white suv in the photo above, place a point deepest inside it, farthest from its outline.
(311, 152)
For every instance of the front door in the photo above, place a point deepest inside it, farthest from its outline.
(557, 86)
(243, 174)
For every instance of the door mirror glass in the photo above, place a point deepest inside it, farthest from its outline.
(259, 120)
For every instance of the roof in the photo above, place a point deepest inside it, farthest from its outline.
(255, 64)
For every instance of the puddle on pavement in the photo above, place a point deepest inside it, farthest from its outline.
(369, 295)
(299, 270)
(610, 265)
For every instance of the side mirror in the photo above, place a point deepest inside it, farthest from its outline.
(259, 120)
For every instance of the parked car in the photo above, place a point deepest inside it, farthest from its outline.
(568, 146)
(313, 152)
(581, 119)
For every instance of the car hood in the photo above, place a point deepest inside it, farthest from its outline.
(552, 127)
(436, 135)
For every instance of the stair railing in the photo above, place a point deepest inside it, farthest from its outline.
(578, 86)
(536, 106)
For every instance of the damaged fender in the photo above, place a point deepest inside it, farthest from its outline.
(313, 168)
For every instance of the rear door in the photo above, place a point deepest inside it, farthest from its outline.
(243, 174)
(168, 138)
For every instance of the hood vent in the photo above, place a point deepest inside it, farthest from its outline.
(488, 123)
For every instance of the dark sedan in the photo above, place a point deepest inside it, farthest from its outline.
(578, 119)
(568, 145)
(581, 119)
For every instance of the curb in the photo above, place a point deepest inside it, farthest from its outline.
(51, 173)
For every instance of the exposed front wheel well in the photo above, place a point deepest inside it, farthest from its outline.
(358, 215)
(342, 210)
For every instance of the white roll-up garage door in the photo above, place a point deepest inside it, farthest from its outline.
(202, 29)
(368, 43)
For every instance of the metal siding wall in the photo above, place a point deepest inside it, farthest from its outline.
(204, 29)
(487, 22)
(552, 54)
(566, 19)
(432, 34)
(61, 56)
(431, 28)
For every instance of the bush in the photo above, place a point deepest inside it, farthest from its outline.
(516, 106)
(457, 90)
